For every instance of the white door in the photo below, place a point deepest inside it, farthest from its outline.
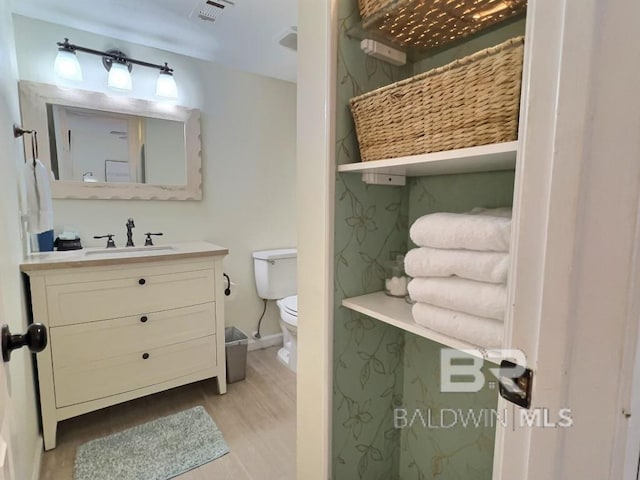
(575, 292)
(6, 466)
(9, 229)
(6, 463)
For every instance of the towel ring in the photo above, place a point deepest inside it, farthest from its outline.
(19, 132)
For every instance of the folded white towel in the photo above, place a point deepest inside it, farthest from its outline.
(489, 267)
(484, 332)
(39, 204)
(468, 231)
(468, 296)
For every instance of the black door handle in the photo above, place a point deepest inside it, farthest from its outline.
(35, 339)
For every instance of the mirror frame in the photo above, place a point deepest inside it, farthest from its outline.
(33, 105)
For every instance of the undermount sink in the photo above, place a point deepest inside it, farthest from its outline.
(126, 250)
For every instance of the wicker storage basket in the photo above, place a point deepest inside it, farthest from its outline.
(426, 24)
(472, 101)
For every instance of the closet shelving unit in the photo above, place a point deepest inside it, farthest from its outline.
(397, 312)
(484, 158)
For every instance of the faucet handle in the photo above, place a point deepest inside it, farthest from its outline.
(109, 237)
(149, 242)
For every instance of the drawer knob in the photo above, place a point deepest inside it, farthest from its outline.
(145, 356)
(142, 281)
(143, 319)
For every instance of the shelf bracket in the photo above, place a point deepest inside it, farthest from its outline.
(375, 178)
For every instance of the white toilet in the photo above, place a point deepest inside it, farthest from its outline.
(276, 279)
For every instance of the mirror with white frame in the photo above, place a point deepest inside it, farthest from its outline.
(103, 147)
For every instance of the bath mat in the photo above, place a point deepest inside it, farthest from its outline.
(157, 450)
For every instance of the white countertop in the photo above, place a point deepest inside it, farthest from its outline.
(91, 257)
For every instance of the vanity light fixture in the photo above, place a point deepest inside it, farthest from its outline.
(166, 86)
(120, 76)
(117, 64)
(67, 65)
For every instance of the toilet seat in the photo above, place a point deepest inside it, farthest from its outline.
(290, 304)
(289, 310)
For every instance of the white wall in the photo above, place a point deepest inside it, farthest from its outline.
(248, 135)
(23, 412)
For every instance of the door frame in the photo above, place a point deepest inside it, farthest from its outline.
(317, 63)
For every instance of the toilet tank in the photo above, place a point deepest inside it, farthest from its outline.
(275, 272)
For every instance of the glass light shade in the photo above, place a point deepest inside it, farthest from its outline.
(166, 86)
(119, 77)
(67, 66)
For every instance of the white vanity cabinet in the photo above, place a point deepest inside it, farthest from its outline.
(124, 325)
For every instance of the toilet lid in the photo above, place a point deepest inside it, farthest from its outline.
(290, 305)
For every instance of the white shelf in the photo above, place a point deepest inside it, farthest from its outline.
(485, 158)
(397, 312)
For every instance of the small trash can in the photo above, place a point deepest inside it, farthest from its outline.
(235, 350)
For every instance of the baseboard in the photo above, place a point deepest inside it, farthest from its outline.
(37, 459)
(265, 342)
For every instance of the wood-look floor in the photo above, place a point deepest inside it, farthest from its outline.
(257, 419)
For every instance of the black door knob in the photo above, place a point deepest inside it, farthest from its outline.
(143, 319)
(142, 281)
(35, 339)
(145, 356)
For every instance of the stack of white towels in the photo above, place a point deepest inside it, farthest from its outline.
(459, 273)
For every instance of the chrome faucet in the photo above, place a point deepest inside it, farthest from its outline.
(130, 226)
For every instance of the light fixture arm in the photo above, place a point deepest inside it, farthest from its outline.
(114, 55)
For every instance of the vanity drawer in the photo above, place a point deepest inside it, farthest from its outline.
(136, 294)
(83, 382)
(87, 342)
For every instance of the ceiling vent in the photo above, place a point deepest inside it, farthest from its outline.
(289, 38)
(210, 10)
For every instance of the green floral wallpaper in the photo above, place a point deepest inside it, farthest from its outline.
(371, 226)
(459, 193)
(378, 368)
(447, 447)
